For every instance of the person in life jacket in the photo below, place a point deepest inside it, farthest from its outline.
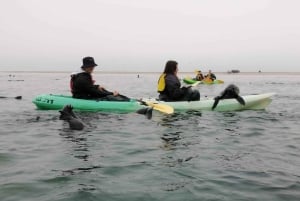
(210, 76)
(83, 87)
(169, 87)
(199, 76)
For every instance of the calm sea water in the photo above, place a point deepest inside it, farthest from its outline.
(247, 155)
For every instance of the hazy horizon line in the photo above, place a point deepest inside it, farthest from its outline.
(137, 72)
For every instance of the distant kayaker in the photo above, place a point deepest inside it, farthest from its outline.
(199, 76)
(83, 87)
(169, 86)
(210, 76)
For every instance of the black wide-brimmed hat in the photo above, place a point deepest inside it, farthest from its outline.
(88, 62)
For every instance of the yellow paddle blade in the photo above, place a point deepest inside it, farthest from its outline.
(161, 107)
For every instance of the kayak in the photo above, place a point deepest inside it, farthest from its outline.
(57, 102)
(253, 102)
(212, 81)
(188, 80)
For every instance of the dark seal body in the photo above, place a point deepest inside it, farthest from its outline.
(67, 114)
(231, 91)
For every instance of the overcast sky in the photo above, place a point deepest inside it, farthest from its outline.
(141, 35)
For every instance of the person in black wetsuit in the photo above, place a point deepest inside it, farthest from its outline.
(199, 76)
(83, 87)
(211, 76)
(169, 86)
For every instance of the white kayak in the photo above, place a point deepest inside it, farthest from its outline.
(253, 102)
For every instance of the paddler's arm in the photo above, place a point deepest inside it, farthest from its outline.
(102, 89)
(173, 88)
(87, 85)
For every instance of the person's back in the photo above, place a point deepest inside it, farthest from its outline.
(199, 76)
(83, 87)
(78, 85)
(172, 90)
(211, 75)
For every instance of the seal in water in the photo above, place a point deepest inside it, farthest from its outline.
(231, 91)
(147, 111)
(67, 114)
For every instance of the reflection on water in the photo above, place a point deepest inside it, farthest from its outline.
(169, 140)
(80, 148)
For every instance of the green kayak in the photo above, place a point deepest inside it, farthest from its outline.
(57, 102)
(189, 80)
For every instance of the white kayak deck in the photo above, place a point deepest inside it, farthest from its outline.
(253, 102)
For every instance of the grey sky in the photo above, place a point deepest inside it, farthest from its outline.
(141, 35)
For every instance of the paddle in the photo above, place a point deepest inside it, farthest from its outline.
(158, 106)
(17, 97)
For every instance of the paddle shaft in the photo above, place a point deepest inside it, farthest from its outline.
(17, 97)
(156, 106)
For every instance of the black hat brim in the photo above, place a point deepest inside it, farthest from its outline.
(83, 66)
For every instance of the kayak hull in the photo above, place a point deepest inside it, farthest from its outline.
(57, 102)
(189, 80)
(253, 102)
(192, 81)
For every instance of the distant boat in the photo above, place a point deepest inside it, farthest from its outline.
(233, 71)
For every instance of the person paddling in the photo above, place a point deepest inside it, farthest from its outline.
(83, 87)
(169, 86)
(210, 76)
(199, 76)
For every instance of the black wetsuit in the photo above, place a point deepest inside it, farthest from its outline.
(174, 92)
(83, 87)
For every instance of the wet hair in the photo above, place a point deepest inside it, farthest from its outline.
(170, 67)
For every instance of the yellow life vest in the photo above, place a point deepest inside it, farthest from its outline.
(207, 80)
(161, 83)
